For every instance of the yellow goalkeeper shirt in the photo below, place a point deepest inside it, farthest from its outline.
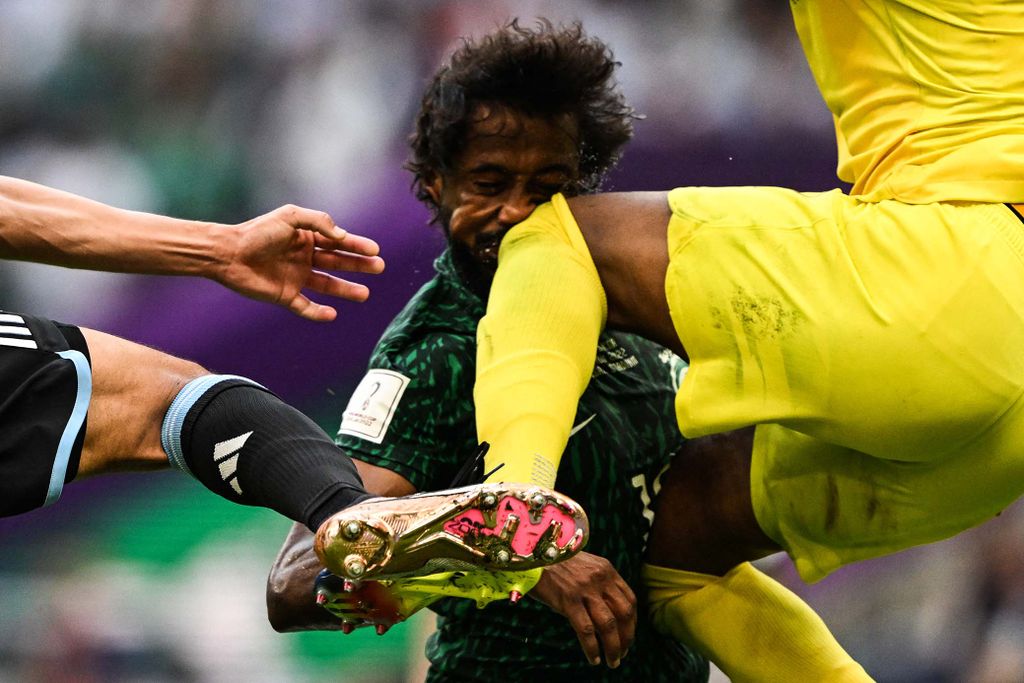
(927, 95)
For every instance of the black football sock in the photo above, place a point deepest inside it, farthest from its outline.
(245, 444)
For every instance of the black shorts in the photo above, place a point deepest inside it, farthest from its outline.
(45, 387)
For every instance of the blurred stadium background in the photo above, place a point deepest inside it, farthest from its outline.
(225, 109)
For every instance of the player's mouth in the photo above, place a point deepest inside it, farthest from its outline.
(486, 248)
(488, 254)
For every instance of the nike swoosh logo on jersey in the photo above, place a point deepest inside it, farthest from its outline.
(581, 425)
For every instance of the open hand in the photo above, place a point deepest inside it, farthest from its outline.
(601, 607)
(280, 253)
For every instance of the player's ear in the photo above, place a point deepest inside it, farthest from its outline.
(433, 184)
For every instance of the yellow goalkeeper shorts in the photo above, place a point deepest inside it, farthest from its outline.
(879, 345)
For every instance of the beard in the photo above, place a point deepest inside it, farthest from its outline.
(475, 271)
(475, 266)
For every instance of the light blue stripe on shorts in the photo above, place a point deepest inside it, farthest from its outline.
(73, 426)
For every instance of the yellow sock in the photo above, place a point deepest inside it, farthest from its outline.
(749, 625)
(537, 345)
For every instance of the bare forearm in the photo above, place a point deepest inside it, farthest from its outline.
(273, 257)
(42, 224)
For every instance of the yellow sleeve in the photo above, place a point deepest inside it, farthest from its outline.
(536, 345)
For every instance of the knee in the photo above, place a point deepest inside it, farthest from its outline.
(177, 372)
(122, 368)
(167, 377)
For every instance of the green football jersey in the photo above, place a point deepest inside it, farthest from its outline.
(413, 414)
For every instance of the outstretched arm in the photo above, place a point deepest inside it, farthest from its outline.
(269, 258)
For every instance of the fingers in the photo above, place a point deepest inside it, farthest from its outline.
(332, 286)
(596, 600)
(586, 631)
(328, 284)
(623, 602)
(356, 244)
(302, 306)
(321, 222)
(623, 610)
(347, 261)
(628, 625)
(615, 623)
(607, 631)
(310, 219)
(603, 623)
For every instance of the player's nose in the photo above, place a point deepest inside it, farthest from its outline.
(518, 205)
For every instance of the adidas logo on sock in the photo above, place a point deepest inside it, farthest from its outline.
(225, 454)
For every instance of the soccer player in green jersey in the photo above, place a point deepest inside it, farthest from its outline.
(537, 113)
(544, 116)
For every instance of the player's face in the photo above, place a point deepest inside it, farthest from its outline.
(511, 163)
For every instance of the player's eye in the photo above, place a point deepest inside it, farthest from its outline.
(549, 189)
(545, 190)
(488, 187)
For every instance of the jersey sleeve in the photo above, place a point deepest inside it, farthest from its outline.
(537, 344)
(412, 413)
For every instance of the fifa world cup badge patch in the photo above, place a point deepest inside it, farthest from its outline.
(373, 404)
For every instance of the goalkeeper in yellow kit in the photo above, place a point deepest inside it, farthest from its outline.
(873, 340)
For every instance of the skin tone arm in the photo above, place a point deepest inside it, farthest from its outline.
(269, 258)
(585, 589)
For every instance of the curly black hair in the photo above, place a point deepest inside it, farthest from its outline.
(544, 72)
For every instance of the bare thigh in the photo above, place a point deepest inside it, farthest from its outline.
(133, 385)
(704, 520)
(627, 236)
